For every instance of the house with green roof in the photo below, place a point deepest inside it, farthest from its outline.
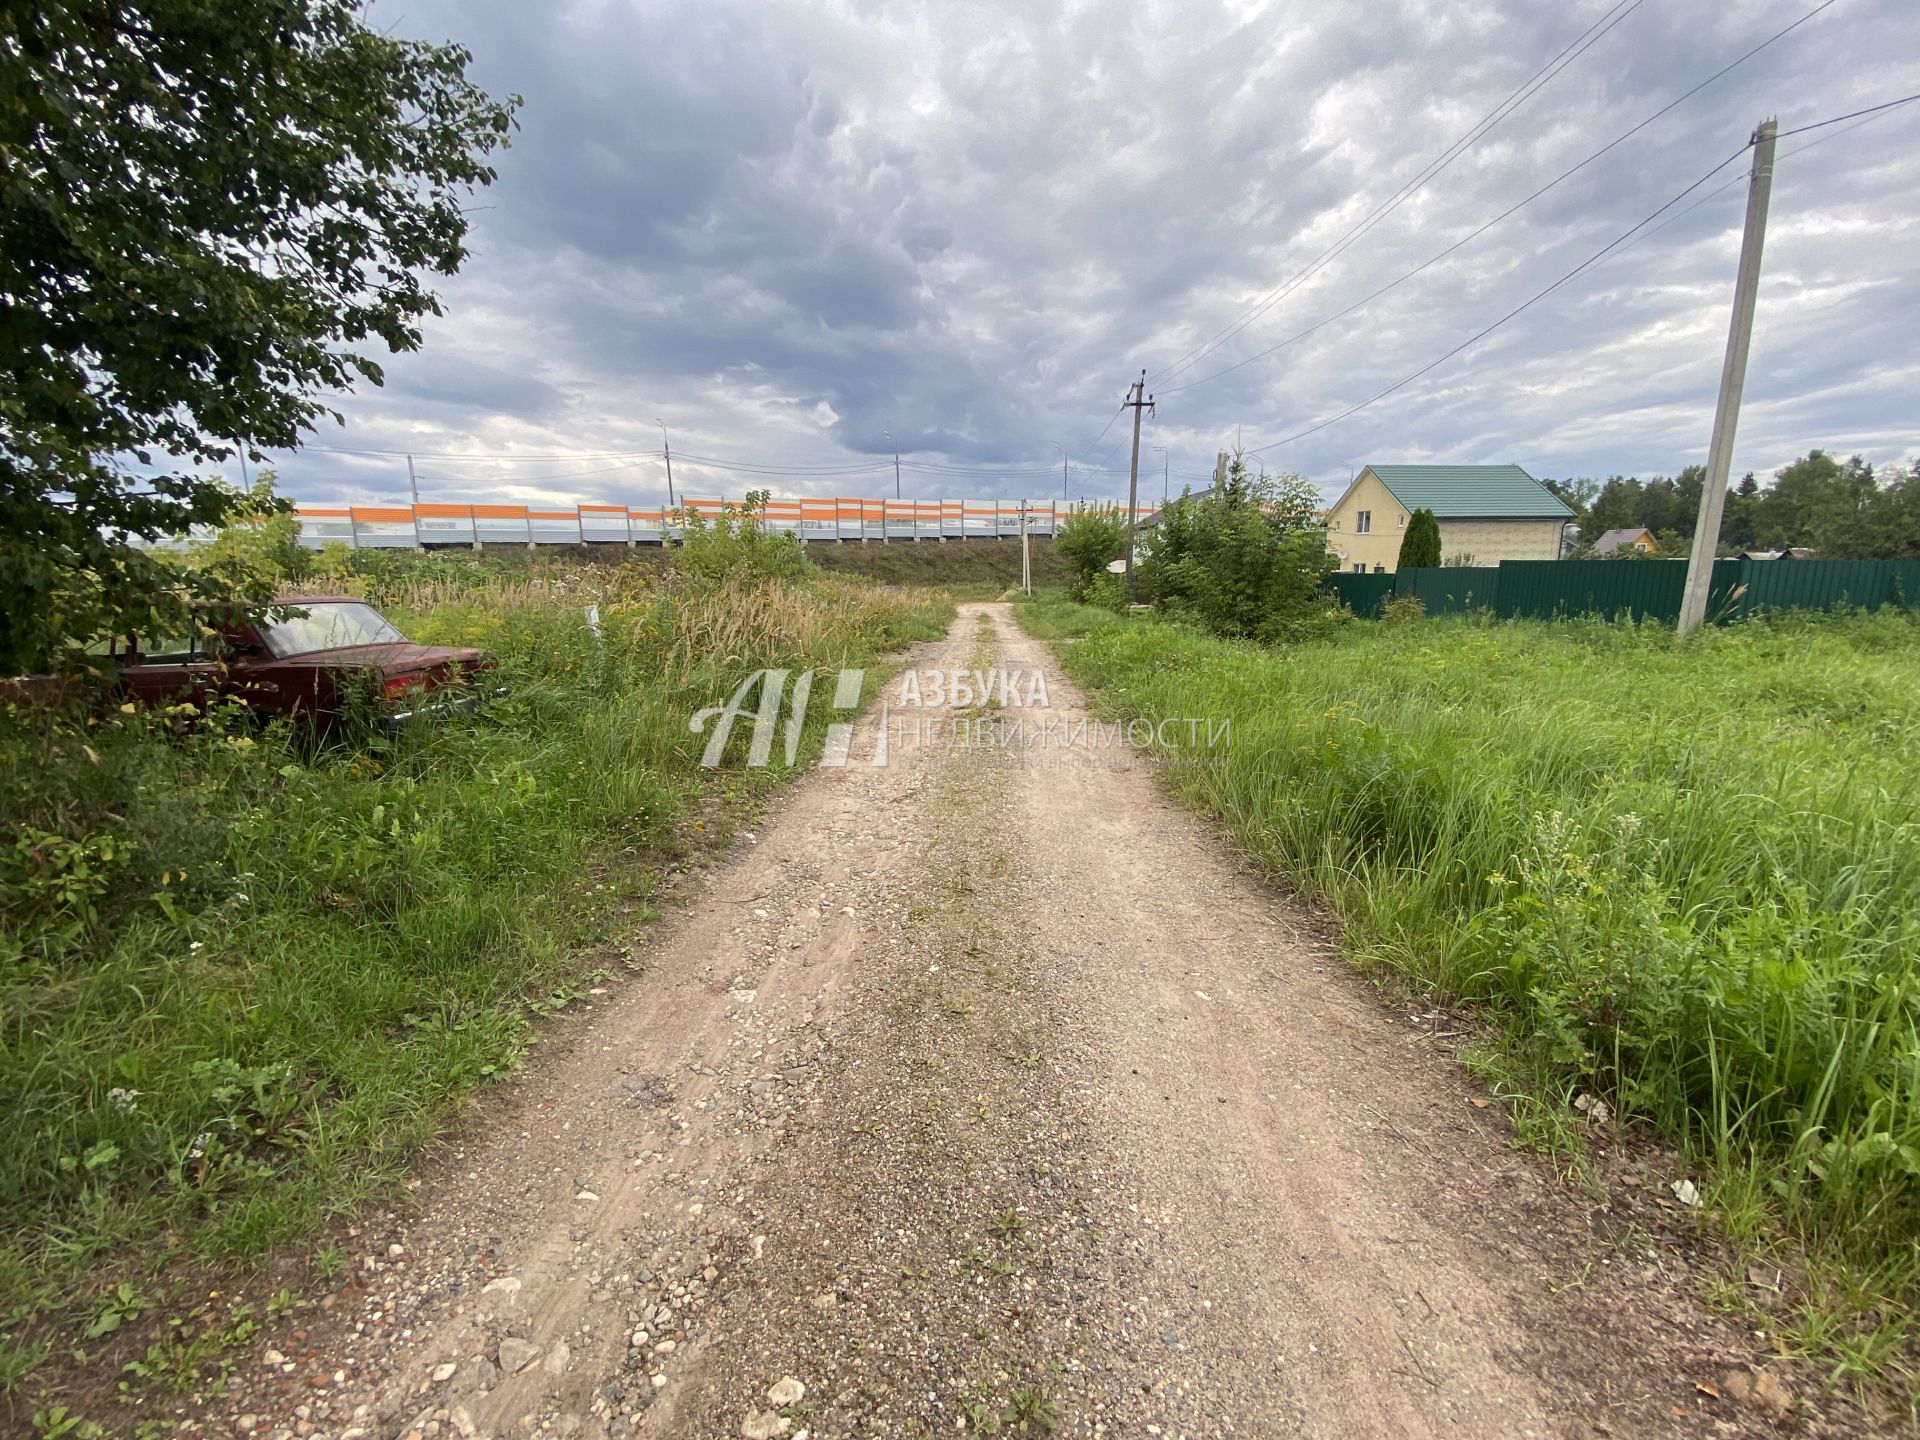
(1487, 512)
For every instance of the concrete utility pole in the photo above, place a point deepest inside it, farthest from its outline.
(413, 489)
(1139, 400)
(896, 462)
(1733, 379)
(667, 450)
(1063, 469)
(1026, 557)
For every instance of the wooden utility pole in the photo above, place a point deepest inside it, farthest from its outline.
(1733, 379)
(1139, 400)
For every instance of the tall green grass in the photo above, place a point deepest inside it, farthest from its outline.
(1686, 876)
(243, 977)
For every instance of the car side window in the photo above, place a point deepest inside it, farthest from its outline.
(158, 650)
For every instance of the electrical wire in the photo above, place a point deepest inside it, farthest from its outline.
(1870, 110)
(1519, 309)
(482, 458)
(1104, 428)
(747, 467)
(1510, 210)
(1720, 190)
(534, 479)
(1432, 169)
(1623, 244)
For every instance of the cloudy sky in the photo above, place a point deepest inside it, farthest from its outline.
(789, 230)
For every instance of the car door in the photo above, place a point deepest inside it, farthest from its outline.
(268, 684)
(168, 670)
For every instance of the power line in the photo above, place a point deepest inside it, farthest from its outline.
(534, 479)
(766, 469)
(1512, 209)
(1525, 305)
(1453, 152)
(752, 467)
(1719, 190)
(483, 457)
(1870, 110)
(1106, 427)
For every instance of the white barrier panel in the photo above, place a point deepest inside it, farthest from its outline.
(812, 519)
(604, 524)
(554, 527)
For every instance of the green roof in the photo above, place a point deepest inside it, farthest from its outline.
(1472, 492)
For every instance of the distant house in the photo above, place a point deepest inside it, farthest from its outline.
(1491, 512)
(1614, 541)
(1792, 552)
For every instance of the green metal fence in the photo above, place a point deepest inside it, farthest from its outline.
(1616, 589)
(1361, 594)
(1637, 589)
(1821, 584)
(1453, 588)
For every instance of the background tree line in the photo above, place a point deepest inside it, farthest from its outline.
(1841, 510)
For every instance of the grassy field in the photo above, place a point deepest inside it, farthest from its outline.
(984, 566)
(242, 980)
(1685, 878)
(979, 568)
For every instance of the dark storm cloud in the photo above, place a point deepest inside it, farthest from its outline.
(788, 231)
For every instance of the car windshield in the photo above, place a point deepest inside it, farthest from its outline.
(330, 625)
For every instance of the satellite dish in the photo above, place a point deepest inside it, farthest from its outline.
(1117, 567)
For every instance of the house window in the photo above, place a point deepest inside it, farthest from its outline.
(1403, 522)
(1363, 523)
(1359, 567)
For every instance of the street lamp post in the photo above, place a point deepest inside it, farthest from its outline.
(1063, 469)
(896, 462)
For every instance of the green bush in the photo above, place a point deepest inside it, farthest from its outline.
(1247, 559)
(261, 537)
(738, 540)
(1108, 591)
(1402, 610)
(1089, 541)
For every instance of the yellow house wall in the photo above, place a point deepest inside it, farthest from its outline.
(1488, 541)
(1491, 541)
(1382, 546)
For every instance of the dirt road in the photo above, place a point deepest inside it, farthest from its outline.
(984, 1092)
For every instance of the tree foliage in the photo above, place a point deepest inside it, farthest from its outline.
(738, 541)
(1245, 558)
(1089, 541)
(214, 212)
(1842, 510)
(1420, 546)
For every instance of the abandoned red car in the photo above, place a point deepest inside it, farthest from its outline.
(312, 659)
